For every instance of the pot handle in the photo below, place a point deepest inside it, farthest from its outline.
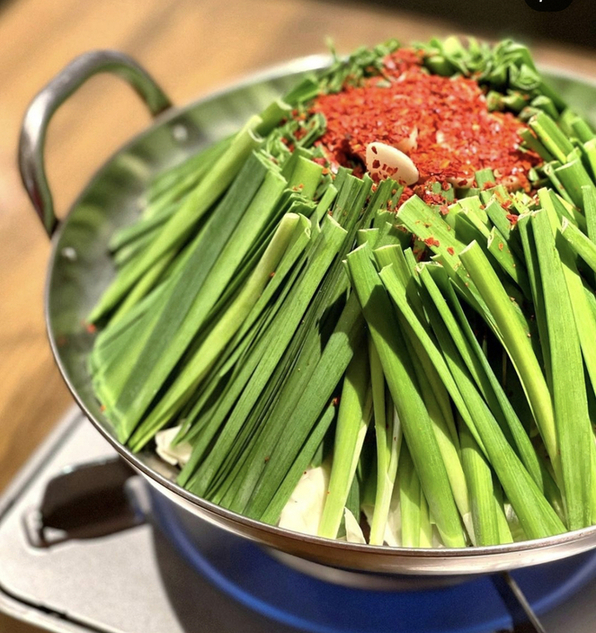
(49, 99)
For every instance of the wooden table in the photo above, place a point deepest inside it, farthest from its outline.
(191, 48)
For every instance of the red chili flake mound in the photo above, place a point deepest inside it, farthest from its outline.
(441, 123)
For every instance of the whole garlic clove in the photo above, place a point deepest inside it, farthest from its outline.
(386, 161)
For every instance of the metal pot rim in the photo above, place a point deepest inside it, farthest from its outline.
(351, 556)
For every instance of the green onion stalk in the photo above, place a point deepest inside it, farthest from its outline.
(278, 314)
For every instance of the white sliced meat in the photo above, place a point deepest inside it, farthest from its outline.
(175, 455)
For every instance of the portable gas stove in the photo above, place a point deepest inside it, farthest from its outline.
(86, 546)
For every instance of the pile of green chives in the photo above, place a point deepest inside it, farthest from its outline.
(276, 315)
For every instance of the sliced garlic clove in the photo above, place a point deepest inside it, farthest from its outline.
(409, 143)
(462, 181)
(511, 182)
(386, 161)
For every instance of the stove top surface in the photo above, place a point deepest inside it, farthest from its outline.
(129, 582)
(135, 579)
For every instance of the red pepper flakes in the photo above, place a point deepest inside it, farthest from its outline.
(512, 218)
(299, 133)
(450, 250)
(428, 196)
(419, 253)
(456, 134)
(432, 241)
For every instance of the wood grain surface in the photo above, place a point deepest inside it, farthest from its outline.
(191, 48)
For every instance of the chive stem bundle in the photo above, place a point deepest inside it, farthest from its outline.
(439, 359)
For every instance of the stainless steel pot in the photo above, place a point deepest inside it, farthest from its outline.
(80, 269)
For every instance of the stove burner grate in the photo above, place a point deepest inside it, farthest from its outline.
(255, 578)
